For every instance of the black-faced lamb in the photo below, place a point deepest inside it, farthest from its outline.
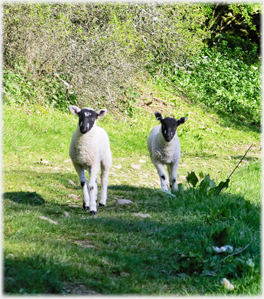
(164, 149)
(89, 148)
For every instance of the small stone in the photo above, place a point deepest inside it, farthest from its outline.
(135, 166)
(124, 201)
(117, 166)
(142, 215)
(50, 220)
(227, 284)
(71, 182)
(66, 214)
(142, 161)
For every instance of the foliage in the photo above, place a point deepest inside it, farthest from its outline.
(238, 19)
(227, 79)
(21, 88)
(206, 185)
(99, 49)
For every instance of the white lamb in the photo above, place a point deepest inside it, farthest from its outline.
(164, 148)
(89, 148)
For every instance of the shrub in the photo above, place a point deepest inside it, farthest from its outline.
(226, 78)
(99, 49)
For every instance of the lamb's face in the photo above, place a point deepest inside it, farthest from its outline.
(87, 117)
(168, 128)
(169, 125)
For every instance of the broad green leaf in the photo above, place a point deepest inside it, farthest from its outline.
(205, 183)
(192, 178)
(201, 175)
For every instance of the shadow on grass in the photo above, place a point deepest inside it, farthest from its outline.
(230, 120)
(140, 255)
(31, 198)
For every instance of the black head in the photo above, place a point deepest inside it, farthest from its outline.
(87, 117)
(169, 125)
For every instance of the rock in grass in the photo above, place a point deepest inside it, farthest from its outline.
(227, 284)
(124, 201)
(117, 166)
(66, 214)
(50, 220)
(142, 161)
(72, 183)
(135, 166)
(142, 215)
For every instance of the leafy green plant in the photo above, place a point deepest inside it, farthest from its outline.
(22, 88)
(206, 185)
(226, 79)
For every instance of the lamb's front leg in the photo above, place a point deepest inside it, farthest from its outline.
(83, 183)
(92, 188)
(172, 170)
(163, 176)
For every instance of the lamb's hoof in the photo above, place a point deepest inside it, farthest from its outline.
(93, 213)
(85, 207)
(101, 205)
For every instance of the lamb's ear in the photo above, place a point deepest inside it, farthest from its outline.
(74, 109)
(159, 117)
(102, 113)
(182, 120)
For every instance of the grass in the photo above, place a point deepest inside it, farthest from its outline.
(118, 252)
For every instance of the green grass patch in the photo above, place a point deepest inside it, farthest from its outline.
(118, 252)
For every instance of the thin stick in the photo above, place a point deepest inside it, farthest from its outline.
(236, 252)
(235, 168)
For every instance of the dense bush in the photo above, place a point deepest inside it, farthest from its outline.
(99, 49)
(25, 89)
(94, 54)
(238, 19)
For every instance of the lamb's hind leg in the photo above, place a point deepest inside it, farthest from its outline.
(105, 166)
(79, 169)
(92, 187)
(163, 176)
